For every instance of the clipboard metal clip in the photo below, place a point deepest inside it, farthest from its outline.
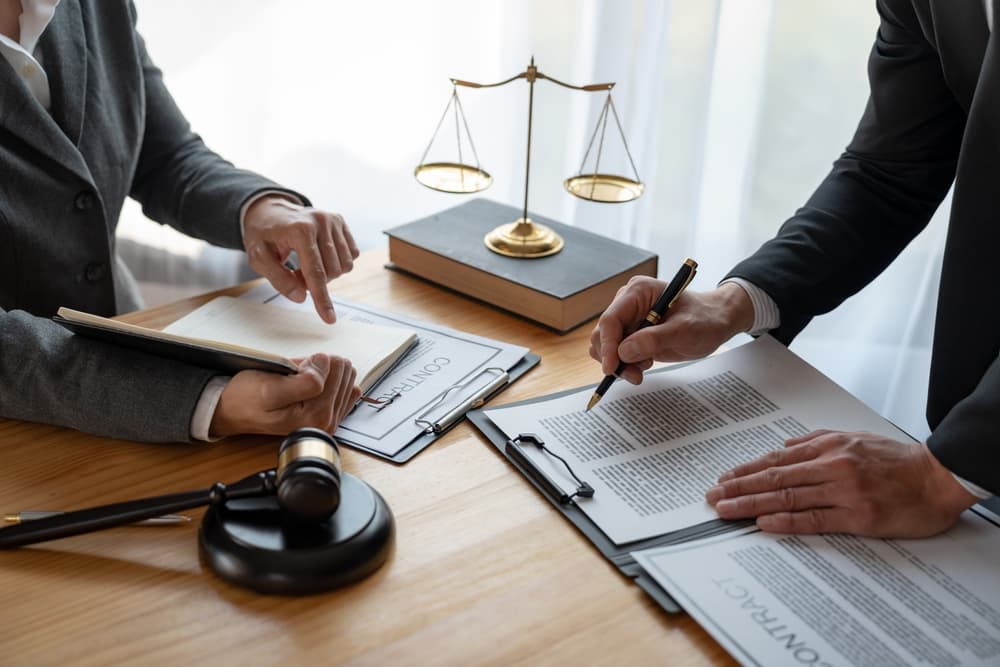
(583, 490)
(445, 421)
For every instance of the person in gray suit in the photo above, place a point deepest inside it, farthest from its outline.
(933, 118)
(85, 121)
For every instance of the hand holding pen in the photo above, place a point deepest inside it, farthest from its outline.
(654, 316)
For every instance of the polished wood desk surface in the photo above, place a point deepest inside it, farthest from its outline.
(483, 572)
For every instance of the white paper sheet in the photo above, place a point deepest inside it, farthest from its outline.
(842, 600)
(652, 451)
(443, 358)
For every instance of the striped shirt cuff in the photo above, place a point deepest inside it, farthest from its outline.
(765, 311)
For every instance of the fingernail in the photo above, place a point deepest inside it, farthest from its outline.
(298, 295)
(627, 351)
(331, 315)
(726, 476)
(714, 494)
(724, 506)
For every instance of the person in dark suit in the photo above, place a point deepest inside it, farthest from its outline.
(933, 117)
(85, 121)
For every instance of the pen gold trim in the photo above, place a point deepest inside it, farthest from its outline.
(655, 315)
(165, 520)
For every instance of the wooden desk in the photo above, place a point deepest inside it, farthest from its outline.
(484, 571)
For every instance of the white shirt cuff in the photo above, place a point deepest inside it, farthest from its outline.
(201, 420)
(765, 311)
(264, 193)
(977, 491)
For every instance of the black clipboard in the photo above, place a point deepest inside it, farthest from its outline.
(423, 440)
(618, 555)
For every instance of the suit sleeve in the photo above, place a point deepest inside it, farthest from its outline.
(178, 180)
(880, 193)
(965, 441)
(54, 377)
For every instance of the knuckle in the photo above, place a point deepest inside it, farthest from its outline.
(774, 477)
(845, 464)
(810, 450)
(788, 498)
(303, 229)
(813, 520)
(733, 488)
(255, 254)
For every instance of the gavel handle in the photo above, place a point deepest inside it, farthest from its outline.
(118, 514)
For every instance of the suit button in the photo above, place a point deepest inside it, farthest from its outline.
(84, 201)
(95, 271)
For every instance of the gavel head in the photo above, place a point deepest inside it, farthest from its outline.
(308, 475)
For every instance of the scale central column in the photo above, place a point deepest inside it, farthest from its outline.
(523, 237)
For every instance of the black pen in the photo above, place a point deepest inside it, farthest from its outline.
(658, 311)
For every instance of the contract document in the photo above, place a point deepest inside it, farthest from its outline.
(829, 600)
(443, 371)
(652, 451)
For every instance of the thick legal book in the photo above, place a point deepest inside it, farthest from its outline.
(561, 291)
(230, 335)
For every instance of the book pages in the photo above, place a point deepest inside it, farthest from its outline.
(292, 334)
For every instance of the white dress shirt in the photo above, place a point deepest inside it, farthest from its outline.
(35, 17)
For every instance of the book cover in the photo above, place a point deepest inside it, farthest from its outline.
(231, 335)
(560, 291)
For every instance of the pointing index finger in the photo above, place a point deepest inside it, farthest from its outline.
(314, 274)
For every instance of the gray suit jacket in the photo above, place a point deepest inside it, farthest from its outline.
(114, 131)
(933, 117)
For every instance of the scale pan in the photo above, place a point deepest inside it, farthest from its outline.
(604, 188)
(452, 177)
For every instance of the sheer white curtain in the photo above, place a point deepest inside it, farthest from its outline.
(733, 111)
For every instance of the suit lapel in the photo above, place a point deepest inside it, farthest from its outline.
(64, 55)
(55, 135)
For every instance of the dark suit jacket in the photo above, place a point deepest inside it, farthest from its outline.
(933, 117)
(114, 131)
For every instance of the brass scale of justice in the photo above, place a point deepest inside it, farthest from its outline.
(524, 238)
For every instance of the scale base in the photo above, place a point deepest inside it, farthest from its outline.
(524, 239)
(253, 544)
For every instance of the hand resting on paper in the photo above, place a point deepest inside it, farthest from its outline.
(835, 482)
(319, 395)
(694, 327)
(274, 226)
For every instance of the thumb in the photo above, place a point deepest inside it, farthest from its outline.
(307, 383)
(640, 346)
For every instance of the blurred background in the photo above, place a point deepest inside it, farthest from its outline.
(733, 111)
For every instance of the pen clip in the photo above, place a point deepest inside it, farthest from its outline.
(687, 281)
(474, 401)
